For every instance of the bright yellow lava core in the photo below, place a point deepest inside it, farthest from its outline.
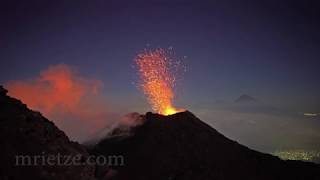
(157, 79)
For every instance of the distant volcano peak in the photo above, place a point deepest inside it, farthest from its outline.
(245, 99)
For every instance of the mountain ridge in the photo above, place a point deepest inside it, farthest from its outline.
(244, 98)
(27, 133)
(181, 146)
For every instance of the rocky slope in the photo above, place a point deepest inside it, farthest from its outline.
(182, 147)
(24, 132)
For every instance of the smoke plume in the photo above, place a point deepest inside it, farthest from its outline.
(73, 102)
(121, 127)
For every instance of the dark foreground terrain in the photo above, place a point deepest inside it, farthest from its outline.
(27, 133)
(179, 147)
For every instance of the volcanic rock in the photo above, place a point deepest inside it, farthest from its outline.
(27, 133)
(182, 147)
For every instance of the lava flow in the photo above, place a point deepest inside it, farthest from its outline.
(157, 72)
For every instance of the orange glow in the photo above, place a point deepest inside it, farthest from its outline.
(170, 110)
(156, 71)
(74, 102)
(58, 87)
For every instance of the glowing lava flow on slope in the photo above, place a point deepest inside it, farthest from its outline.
(157, 71)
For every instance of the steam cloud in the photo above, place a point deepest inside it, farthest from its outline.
(73, 102)
(122, 127)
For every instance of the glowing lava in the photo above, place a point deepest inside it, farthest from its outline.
(157, 71)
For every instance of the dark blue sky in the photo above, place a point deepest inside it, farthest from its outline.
(268, 49)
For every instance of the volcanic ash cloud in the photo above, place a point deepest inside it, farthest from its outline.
(72, 101)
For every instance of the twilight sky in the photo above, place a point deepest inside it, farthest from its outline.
(267, 49)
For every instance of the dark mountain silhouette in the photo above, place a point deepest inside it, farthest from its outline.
(181, 147)
(245, 99)
(249, 104)
(28, 133)
(178, 147)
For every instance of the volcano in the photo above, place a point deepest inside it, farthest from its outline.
(178, 146)
(181, 146)
(246, 99)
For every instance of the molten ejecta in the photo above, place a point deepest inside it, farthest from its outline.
(157, 71)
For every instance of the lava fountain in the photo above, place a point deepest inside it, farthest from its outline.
(158, 75)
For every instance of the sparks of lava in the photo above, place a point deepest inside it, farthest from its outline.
(158, 75)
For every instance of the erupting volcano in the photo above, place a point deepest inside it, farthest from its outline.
(158, 75)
